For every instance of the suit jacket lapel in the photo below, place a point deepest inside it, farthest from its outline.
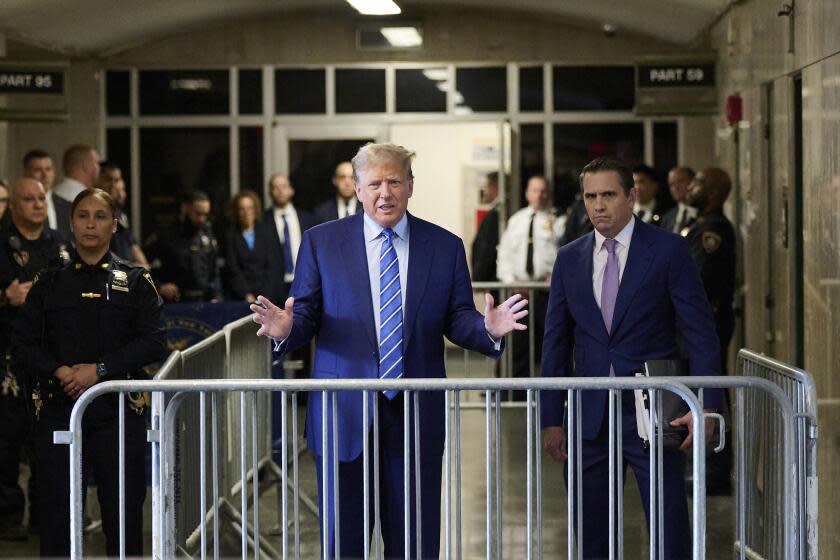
(358, 279)
(638, 262)
(585, 287)
(420, 255)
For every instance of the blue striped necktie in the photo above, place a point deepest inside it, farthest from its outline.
(390, 312)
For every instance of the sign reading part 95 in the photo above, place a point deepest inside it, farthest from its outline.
(17, 80)
(676, 75)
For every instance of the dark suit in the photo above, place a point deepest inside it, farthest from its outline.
(247, 270)
(333, 303)
(276, 262)
(327, 211)
(485, 247)
(63, 211)
(660, 296)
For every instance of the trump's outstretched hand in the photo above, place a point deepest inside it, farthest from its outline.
(502, 319)
(275, 322)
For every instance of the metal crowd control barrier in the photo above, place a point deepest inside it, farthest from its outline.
(506, 366)
(170, 392)
(761, 528)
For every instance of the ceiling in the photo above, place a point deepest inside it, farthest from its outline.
(104, 27)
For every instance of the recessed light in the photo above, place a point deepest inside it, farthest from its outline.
(375, 7)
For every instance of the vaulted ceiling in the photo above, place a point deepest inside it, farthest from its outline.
(103, 27)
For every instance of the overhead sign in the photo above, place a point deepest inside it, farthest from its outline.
(16, 80)
(676, 85)
(676, 75)
(33, 91)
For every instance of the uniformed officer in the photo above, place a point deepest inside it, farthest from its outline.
(96, 318)
(712, 241)
(27, 246)
(187, 253)
(527, 251)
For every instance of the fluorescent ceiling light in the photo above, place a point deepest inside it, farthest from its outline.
(402, 36)
(375, 7)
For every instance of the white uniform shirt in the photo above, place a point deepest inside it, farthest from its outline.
(600, 253)
(290, 215)
(513, 247)
(684, 214)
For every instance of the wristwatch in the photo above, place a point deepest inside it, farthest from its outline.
(101, 370)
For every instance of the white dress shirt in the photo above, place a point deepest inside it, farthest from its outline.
(684, 213)
(68, 189)
(599, 257)
(290, 215)
(346, 208)
(646, 208)
(373, 248)
(51, 218)
(513, 246)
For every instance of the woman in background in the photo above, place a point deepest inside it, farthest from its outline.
(246, 249)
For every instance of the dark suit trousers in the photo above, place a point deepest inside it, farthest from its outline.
(391, 494)
(595, 482)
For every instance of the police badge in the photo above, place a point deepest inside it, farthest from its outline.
(119, 281)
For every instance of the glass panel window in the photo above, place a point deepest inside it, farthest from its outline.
(300, 91)
(312, 165)
(184, 92)
(421, 90)
(665, 150)
(118, 148)
(251, 159)
(250, 92)
(594, 88)
(177, 160)
(575, 145)
(359, 90)
(118, 92)
(481, 90)
(531, 89)
(532, 155)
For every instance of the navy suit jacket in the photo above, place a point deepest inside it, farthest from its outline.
(660, 298)
(328, 210)
(277, 263)
(333, 303)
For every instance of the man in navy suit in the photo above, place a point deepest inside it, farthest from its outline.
(620, 296)
(344, 203)
(380, 291)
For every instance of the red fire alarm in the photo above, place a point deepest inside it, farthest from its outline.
(734, 109)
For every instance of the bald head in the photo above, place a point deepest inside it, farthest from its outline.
(28, 202)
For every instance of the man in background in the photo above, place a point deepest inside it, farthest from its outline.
(647, 185)
(484, 251)
(680, 216)
(38, 165)
(123, 243)
(345, 202)
(81, 171)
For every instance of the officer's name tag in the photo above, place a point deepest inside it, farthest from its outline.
(119, 281)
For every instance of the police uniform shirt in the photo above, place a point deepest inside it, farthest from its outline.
(645, 212)
(108, 312)
(22, 259)
(547, 230)
(188, 260)
(712, 242)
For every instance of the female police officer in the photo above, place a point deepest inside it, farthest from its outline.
(96, 318)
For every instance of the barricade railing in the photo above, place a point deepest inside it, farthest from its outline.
(517, 343)
(760, 526)
(175, 393)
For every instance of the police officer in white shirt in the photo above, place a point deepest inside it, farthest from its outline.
(526, 253)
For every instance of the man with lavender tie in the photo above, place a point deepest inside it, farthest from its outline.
(620, 296)
(380, 290)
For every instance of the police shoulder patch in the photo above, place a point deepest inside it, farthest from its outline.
(711, 241)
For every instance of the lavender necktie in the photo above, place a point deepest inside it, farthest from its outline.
(609, 288)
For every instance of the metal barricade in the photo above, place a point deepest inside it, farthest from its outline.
(452, 477)
(760, 526)
(472, 362)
